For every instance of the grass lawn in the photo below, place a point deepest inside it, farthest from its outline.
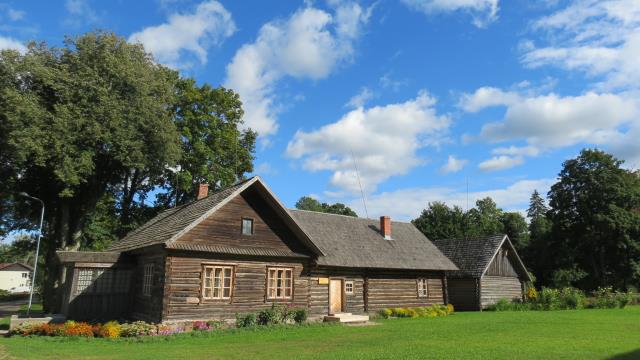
(582, 334)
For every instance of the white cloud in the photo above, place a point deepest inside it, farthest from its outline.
(598, 37)
(482, 11)
(11, 13)
(517, 151)
(307, 45)
(361, 98)
(383, 139)
(553, 121)
(9, 43)
(453, 165)
(187, 37)
(406, 204)
(487, 97)
(501, 162)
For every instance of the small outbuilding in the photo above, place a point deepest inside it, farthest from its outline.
(489, 270)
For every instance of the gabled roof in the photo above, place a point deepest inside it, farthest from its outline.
(474, 255)
(16, 266)
(356, 242)
(171, 224)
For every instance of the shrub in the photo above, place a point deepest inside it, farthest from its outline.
(267, 316)
(532, 294)
(385, 313)
(549, 299)
(137, 328)
(246, 320)
(201, 326)
(300, 315)
(501, 305)
(110, 329)
(450, 309)
(605, 298)
(571, 298)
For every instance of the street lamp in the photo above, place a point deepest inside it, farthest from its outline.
(35, 265)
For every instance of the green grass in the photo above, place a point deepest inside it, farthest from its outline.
(577, 334)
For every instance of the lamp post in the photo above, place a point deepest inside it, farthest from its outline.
(35, 262)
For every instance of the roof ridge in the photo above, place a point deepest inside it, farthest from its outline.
(347, 216)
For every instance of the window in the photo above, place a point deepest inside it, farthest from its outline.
(217, 282)
(247, 226)
(348, 287)
(85, 280)
(25, 275)
(147, 279)
(423, 288)
(279, 283)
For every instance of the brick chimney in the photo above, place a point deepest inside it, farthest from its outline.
(385, 227)
(203, 191)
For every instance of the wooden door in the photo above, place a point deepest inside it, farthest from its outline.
(335, 296)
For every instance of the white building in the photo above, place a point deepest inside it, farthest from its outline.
(15, 277)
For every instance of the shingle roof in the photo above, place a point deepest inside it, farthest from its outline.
(356, 242)
(473, 255)
(11, 266)
(172, 222)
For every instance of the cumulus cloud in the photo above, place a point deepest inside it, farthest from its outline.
(598, 37)
(406, 204)
(361, 98)
(307, 45)
(187, 37)
(555, 121)
(500, 162)
(80, 12)
(381, 141)
(9, 43)
(453, 165)
(483, 12)
(486, 97)
(11, 13)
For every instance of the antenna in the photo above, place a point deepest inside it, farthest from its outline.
(355, 165)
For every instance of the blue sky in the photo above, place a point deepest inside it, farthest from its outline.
(427, 96)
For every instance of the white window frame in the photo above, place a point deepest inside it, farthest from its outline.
(147, 279)
(279, 287)
(84, 282)
(348, 287)
(242, 226)
(423, 287)
(216, 284)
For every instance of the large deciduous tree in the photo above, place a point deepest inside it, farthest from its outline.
(311, 204)
(595, 211)
(91, 129)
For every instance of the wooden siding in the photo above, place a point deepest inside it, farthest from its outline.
(223, 228)
(494, 288)
(463, 294)
(148, 308)
(502, 264)
(319, 293)
(400, 290)
(184, 278)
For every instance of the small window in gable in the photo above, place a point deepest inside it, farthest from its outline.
(247, 226)
(147, 279)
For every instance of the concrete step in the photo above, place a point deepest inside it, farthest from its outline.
(347, 318)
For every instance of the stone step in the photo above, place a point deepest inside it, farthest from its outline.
(347, 318)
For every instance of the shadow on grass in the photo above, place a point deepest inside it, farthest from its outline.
(632, 355)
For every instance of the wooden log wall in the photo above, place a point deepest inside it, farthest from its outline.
(400, 290)
(494, 288)
(183, 299)
(148, 308)
(463, 294)
(224, 227)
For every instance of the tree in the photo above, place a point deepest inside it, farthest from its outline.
(91, 129)
(515, 226)
(214, 149)
(537, 253)
(596, 222)
(439, 221)
(537, 206)
(311, 204)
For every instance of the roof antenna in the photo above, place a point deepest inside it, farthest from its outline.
(355, 165)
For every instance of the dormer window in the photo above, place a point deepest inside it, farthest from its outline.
(247, 226)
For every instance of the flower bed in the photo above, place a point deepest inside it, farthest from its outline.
(435, 310)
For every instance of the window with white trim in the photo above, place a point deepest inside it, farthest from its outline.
(147, 279)
(84, 282)
(217, 283)
(348, 287)
(423, 288)
(247, 226)
(279, 283)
